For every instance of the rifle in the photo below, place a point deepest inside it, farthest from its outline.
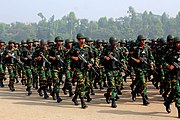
(85, 61)
(115, 59)
(145, 63)
(10, 55)
(177, 66)
(58, 57)
(41, 54)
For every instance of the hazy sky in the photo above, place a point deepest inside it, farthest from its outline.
(27, 10)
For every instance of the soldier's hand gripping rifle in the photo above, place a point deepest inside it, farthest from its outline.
(145, 63)
(44, 58)
(58, 57)
(177, 66)
(12, 56)
(123, 66)
(85, 61)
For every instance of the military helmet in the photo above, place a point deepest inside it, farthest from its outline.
(11, 41)
(58, 39)
(23, 41)
(43, 42)
(68, 41)
(176, 39)
(113, 40)
(123, 41)
(1, 41)
(169, 37)
(29, 41)
(89, 39)
(140, 37)
(35, 40)
(99, 41)
(161, 40)
(80, 36)
(50, 41)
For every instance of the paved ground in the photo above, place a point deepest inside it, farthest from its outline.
(17, 106)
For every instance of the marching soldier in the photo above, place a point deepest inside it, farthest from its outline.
(79, 54)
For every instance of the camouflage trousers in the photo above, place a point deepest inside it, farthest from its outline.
(112, 80)
(29, 76)
(140, 82)
(68, 80)
(42, 77)
(80, 87)
(56, 82)
(174, 91)
(11, 71)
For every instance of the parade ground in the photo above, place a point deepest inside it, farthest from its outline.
(18, 106)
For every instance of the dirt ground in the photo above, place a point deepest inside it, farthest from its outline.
(17, 106)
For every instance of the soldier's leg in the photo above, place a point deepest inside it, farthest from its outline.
(35, 78)
(144, 88)
(43, 82)
(29, 80)
(49, 80)
(81, 88)
(111, 92)
(68, 83)
(88, 86)
(2, 74)
(11, 78)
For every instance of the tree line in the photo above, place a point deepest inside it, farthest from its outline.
(128, 27)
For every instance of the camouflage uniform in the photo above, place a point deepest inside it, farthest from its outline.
(11, 58)
(141, 69)
(2, 65)
(80, 68)
(40, 56)
(173, 63)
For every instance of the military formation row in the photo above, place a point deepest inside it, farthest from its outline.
(87, 64)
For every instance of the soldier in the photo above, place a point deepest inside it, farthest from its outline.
(2, 65)
(77, 54)
(141, 56)
(68, 73)
(26, 58)
(111, 56)
(173, 64)
(11, 58)
(56, 55)
(41, 58)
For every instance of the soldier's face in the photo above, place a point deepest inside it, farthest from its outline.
(142, 42)
(30, 44)
(36, 43)
(70, 44)
(81, 40)
(59, 43)
(178, 45)
(1, 45)
(11, 44)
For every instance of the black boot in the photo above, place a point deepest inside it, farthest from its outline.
(101, 87)
(53, 95)
(105, 85)
(75, 100)
(106, 95)
(117, 98)
(118, 91)
(64, 90)
(1, 83)
(58, 97)
(178, 112)
(113, 105)
(11, 85)
(45, 93)
(88, 97)
(83, 104)
(145, 102)
(133, 93)
(29, 91)
(40, 91)
(167, 105)
(36, 86)
(92, 91)
(70, 93)
(95, 85)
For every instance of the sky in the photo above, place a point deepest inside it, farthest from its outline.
(26, 10)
